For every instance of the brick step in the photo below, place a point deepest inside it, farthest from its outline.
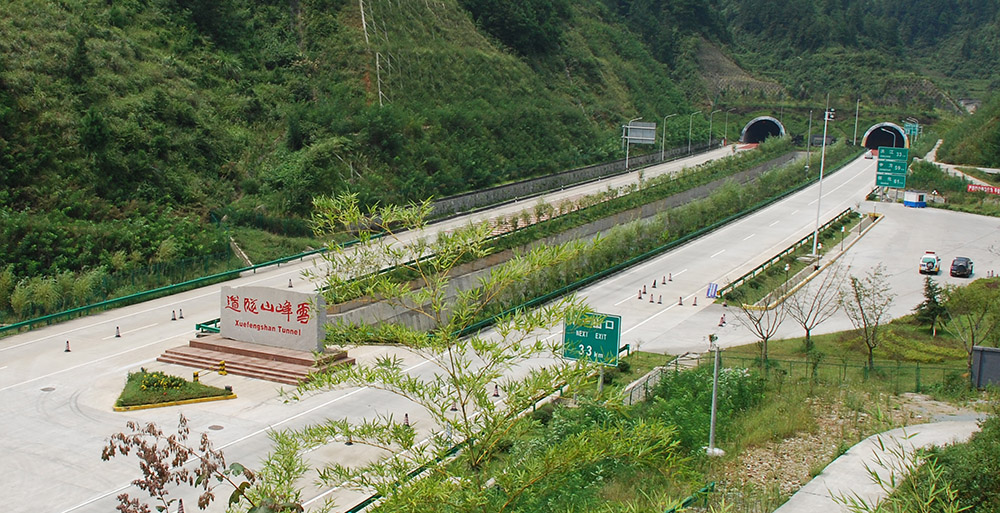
(213, 357)
(270, 370)
(236, 371)
(278, 354)
(288, 376)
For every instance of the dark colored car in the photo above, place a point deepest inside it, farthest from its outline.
(961, 266)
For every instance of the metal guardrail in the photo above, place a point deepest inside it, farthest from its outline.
(640, 258)
(139, 296)
(208, 326)
(775, 259)
(691, 499)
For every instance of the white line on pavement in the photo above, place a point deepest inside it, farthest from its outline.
(717, 253)
(132, 330)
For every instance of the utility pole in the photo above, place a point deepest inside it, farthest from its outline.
(857, 109)
(827, 117)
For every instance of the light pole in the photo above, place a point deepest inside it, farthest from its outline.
(843, 233)
(809, 140)
(857, 109)
(663, 140)
(725, 136)
(690, 121)
(626, 134)
(892, 132)
(712, 450)
(710, 126)
(827, 117)
(787, 267)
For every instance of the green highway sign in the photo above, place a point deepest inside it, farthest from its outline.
(596, 337)
(911, 128)
(891, 167)
(896, 181)
(890, 153)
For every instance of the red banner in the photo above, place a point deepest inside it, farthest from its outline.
(983, 188)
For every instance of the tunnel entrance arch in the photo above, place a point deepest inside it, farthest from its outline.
(761, 128)
(881, 134)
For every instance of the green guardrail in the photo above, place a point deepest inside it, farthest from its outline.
(139, 296)
(208, 326)
(691, 499)
(640, 258)
(775, 259)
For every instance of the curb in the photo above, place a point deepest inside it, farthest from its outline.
(173, 403)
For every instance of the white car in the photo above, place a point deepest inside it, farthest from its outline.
(930, 263)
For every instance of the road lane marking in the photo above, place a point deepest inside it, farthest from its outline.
(748, 237)
(681, 272)
(132, 330)
(238, 440)
(774, 223)
(717, 253)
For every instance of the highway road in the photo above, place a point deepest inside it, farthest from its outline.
(56, 406)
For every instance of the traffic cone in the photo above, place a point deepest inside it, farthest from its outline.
(722, 320)
(650, 298)
(118, 334)
(406, 419)
(640, 294)
(695, 301)
(664, 280)
(496, 390)
(643, 289)
(173, 315)
(670, 277)
(67, 347)
(289, 283)
(180, 312)
(454, 406)
(680, 300)
(660, 301)
(654, 284)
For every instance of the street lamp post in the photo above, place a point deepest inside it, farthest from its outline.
(891, 132)
(857, 109)
(663, 140)
(712, 450)
(725, 136)
(710, 126)
(809, 141)
(827, 117)
(843, 233)
(626, 134)
(690, 121)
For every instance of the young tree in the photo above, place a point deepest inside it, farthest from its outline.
(931, 309)
(763, 322)
(470, 364)
(813, 304)
(866, 303)
(164, 460)
(973, 313)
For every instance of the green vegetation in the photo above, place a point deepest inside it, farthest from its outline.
(926, 176)
(975, 141)
(144, 387)
(972, 468)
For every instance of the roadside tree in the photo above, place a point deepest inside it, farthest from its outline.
(816, 302)
(763, 322)
(931, 310)
(973, 313)
(866, 302)
(471, 364)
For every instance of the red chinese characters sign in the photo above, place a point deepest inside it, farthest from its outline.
(274, 317)
(974, 187)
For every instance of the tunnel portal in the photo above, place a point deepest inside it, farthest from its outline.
(885, 134)
(761, 128)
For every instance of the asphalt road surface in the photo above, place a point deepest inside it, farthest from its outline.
(56, 406)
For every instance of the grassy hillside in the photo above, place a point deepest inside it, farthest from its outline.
(135, 132)
(127, 127)
(975, 141)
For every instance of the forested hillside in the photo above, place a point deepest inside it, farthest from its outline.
(130, 131)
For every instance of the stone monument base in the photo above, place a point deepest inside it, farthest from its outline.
(287, 366)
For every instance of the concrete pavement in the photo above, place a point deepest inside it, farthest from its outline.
(847, 476)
